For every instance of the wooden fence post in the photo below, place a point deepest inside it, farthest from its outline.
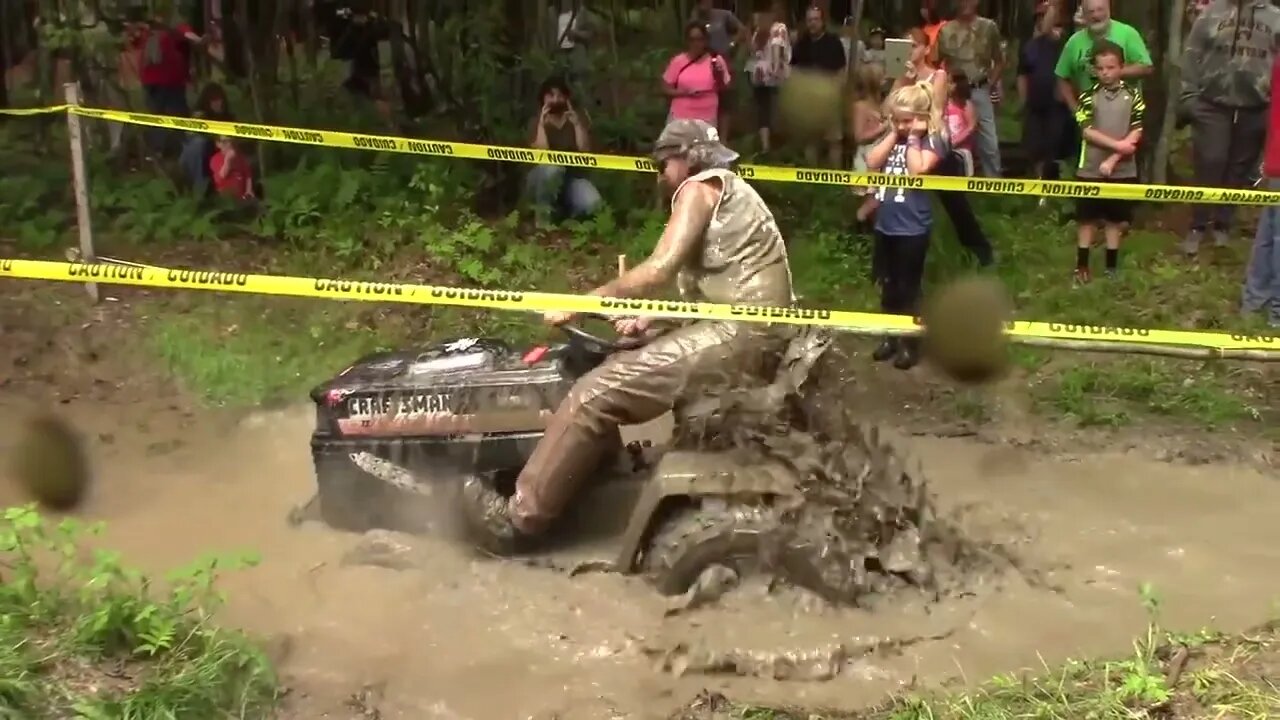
(81, 180)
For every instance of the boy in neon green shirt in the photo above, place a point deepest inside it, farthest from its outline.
(1075, 64)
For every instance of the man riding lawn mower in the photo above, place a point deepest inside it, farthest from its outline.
(751, 478)
(721, 243)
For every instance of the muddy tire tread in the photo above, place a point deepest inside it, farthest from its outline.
(692, 538)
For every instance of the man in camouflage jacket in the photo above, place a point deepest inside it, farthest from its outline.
(1226, 88)
(971, 44)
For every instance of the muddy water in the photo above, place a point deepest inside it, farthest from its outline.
(466, 637)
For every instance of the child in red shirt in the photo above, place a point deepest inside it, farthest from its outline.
(1262, 280)
(232, 174)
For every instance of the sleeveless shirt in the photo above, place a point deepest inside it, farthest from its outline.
(743, 259)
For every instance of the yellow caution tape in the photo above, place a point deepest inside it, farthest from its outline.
(359, 290)
(811, 176)
(24, 112)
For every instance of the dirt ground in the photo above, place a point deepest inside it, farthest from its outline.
(458, 636)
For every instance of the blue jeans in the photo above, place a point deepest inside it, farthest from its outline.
(1262, 279)
(165, 100)
(987, 138)
(194, 162)
(550, 188)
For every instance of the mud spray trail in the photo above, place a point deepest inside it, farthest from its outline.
(458, 636)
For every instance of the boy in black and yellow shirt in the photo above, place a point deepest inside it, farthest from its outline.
(1110, 117)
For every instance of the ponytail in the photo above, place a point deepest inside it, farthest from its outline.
(918, 100)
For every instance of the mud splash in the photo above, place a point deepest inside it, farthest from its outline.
(867, 526)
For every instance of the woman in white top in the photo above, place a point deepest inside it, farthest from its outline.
(768, 67)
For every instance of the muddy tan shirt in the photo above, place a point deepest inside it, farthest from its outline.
(743, 259)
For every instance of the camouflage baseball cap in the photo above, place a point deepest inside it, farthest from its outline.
(698, 140)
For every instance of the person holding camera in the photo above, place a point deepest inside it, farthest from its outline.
(768, 68)
(560, 127)
(695, 79)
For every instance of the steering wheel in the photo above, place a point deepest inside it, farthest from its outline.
(595, 343)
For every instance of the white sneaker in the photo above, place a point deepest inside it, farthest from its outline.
(1191, 243)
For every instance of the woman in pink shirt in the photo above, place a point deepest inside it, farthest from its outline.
(694, 78)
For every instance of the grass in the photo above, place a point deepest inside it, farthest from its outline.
(1223, 677)
(1096, 393)
(1199, 676)
(236, 354)
(83, 636)
(245, 350)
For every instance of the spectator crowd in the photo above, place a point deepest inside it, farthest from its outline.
(1079, 82)
(926, 102)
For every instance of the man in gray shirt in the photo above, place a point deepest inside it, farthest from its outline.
(723, 30)
(723, 27)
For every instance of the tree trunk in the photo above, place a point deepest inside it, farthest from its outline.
(240, 20)
(854, 55)
(4, 54)
(615, 12)
(1173, 79)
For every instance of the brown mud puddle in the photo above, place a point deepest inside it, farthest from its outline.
(458, 636)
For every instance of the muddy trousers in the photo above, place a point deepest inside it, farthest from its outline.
(630, 388)
(1226, 148)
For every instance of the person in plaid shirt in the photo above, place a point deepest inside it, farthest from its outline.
(768, 67)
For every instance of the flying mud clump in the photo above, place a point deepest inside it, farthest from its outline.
(964, 329)
(865, 526)
(48, 461)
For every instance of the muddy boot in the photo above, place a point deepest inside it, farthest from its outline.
(908, 354)
(487, 518)
(887, 349)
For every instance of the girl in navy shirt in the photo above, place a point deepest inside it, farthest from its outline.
(904, 218)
